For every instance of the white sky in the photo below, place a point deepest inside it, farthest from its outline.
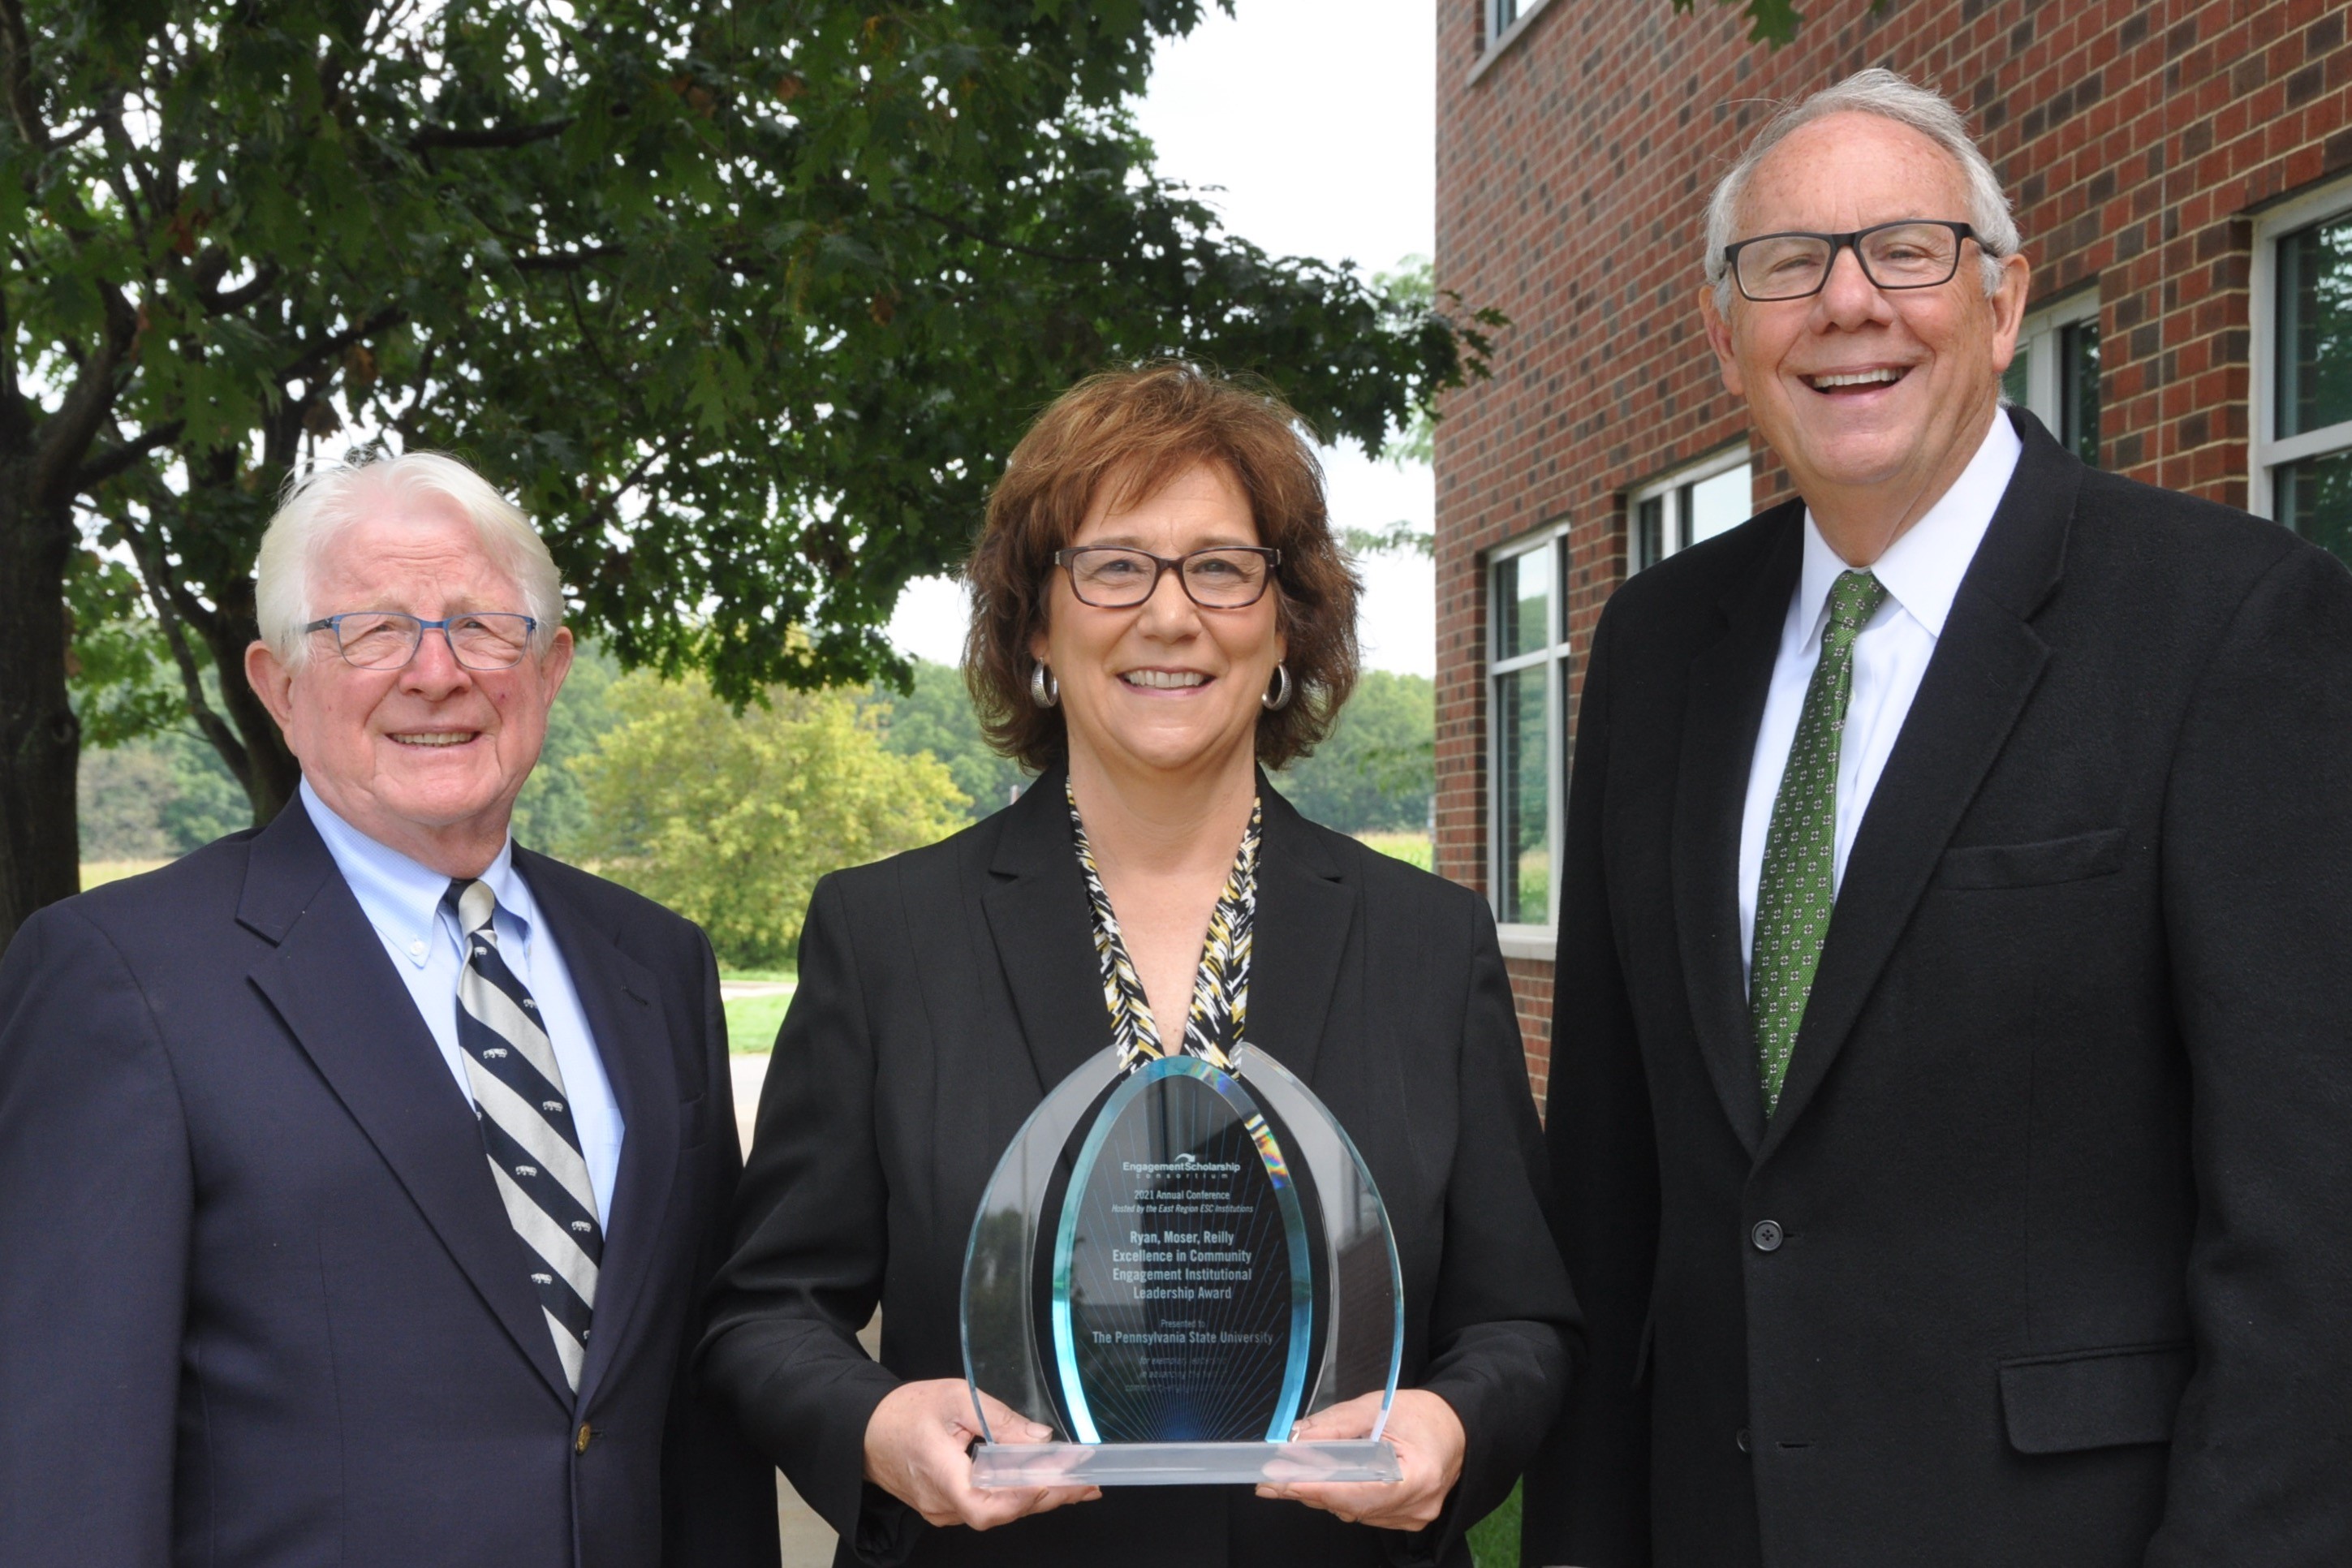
(1318, 119)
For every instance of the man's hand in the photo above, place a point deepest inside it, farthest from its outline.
(918, 1450)
(1429, 1442)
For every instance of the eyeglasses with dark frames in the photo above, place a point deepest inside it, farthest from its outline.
(1222, 577)
(1909, 253)
(388, 639)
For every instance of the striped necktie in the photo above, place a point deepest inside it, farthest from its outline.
(1799, 884)
(527, 1129)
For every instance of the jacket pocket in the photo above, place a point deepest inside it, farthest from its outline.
(2068, 859)
(2094, 1399)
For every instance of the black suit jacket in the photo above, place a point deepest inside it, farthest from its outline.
(943, 992)
(2063, 1169)
(260, 1300)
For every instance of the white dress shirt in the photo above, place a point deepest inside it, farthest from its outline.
(1921, 572)
(402, 900)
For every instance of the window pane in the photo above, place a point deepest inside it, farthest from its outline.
(2078, 392)
(2014, 380)
(1649, 533)
(2315, 350)
(1719, 504)
(1522, 765)
(1523, 603)
(2314, 499)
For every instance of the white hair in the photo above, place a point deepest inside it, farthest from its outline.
(323, 503)
(1881, 92)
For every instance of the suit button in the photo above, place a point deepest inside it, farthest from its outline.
(1765, 1235)
(1741, 1437)
(580, 1444)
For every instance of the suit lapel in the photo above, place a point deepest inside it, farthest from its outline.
(634, 1041)
(1725, 707)
(1985, 665)
(1305, 911)
(1044, 932)
(331, 982)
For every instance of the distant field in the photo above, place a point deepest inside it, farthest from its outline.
(1410, 847)
(95, 873)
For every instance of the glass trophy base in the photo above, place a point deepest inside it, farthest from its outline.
(1180, 1464)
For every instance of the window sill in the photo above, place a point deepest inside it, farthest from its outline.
(1528, 941)
(1510, 35)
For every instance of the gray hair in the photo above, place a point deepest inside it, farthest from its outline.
(321, 504)
(1881, 92)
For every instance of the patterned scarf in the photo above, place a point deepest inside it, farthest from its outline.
(1219, 986)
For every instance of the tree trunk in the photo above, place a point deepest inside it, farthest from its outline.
(267, 770)
(40, 739)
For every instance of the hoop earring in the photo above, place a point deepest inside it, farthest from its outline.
(1044, 690)
(1284, 690)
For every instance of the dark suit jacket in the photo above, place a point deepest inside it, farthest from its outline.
(942, 992)
(2063, 1169)
(259, 1301)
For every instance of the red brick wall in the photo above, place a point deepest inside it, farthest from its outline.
(2136, 140)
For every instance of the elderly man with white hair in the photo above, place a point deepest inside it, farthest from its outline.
(360, 1176)
(1951, 1083)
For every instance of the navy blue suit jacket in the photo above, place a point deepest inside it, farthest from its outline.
(260, 1303)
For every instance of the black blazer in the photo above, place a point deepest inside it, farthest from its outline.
(261, 1302)
(2062, 1175)
(942, 992)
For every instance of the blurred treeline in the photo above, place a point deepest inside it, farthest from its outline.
(730, 818)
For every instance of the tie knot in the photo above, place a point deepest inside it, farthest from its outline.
(473, 903)
(1854, 597)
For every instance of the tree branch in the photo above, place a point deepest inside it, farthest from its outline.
(306, 364)
(67, 434)
(565, 260)
(431, 137)
(115, 459)
(167, 597)
(16, 61)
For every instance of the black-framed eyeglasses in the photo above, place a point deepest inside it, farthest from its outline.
(1222, 577)
(388, 639)
(1909, 253)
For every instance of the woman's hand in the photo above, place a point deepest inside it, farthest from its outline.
(917, 1450)
(1429, 1442)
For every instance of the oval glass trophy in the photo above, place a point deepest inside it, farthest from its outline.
(1171, 1266)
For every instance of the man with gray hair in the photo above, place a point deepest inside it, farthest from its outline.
(360, 1176)
(1953, 1057)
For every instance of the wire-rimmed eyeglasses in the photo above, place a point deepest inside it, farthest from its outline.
(388, 639)
(1909, 253)
(1222, 577)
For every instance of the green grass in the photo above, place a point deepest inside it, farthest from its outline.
(1495, 1539)
(1413, 848)
(752, 1022)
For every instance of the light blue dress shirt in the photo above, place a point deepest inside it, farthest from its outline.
(402, 900)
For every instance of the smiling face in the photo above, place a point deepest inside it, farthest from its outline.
(1166, 687)
(1876, 400)
(426, 759)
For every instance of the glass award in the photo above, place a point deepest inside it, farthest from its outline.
(1173, 1265)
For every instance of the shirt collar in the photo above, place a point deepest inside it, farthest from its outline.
(400, 897)
(1922, 569)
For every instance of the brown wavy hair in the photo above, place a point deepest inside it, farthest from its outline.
(1136, 431)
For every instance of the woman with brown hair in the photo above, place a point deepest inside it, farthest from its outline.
(1160, 613)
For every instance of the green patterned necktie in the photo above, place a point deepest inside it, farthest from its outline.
(1800, 882)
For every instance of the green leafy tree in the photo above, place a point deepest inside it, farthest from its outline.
(1377, 772)
(746, 300)
(936, 715)
(552, 814)
(730, 819)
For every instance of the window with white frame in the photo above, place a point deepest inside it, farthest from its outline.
(1677, 511)
(2302, 472)
(1526, 695)
(1500, 14)
(2055, 375)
